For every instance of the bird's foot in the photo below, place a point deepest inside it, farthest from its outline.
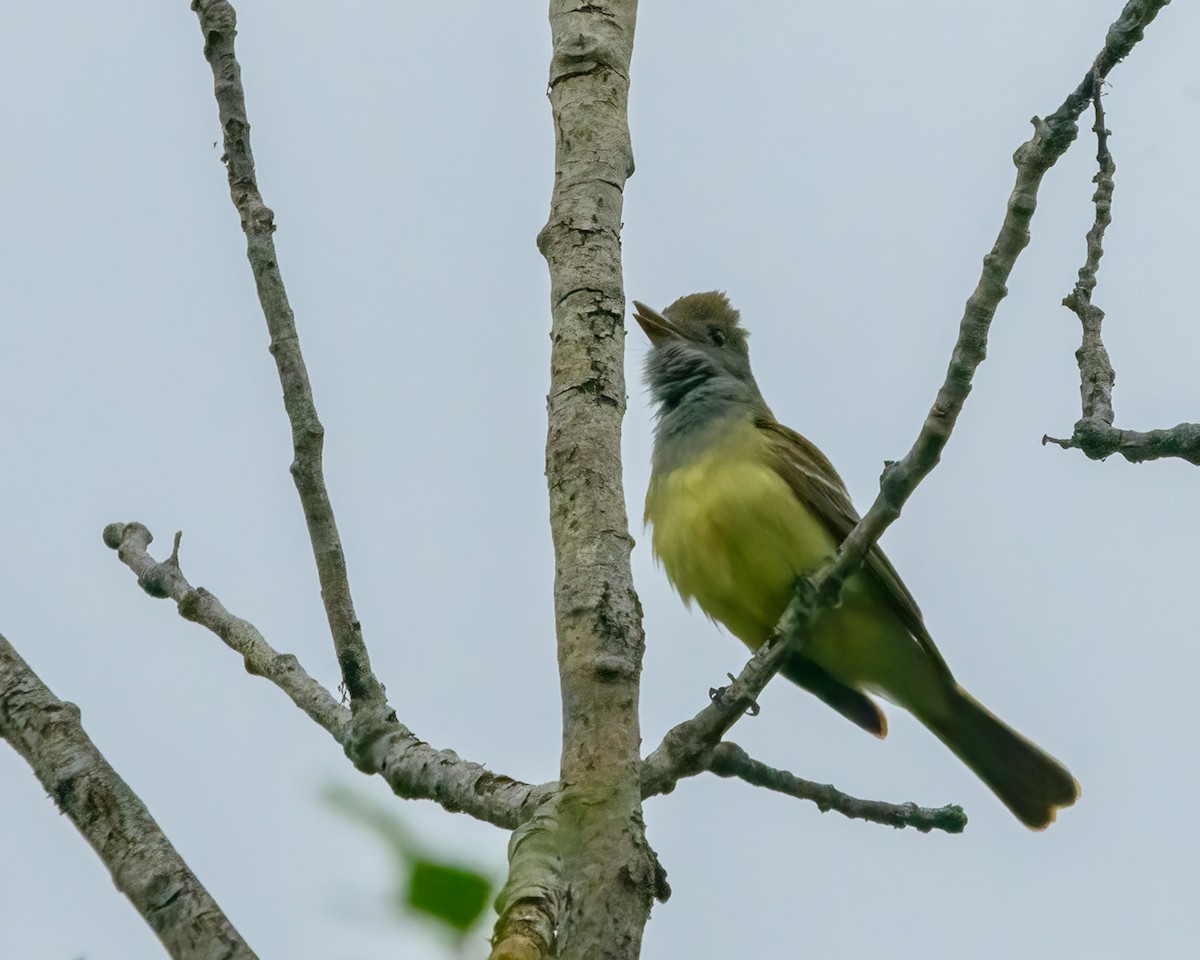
(723, 698)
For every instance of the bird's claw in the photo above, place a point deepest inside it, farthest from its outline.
(720, 696)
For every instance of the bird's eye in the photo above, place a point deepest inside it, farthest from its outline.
(717, 336)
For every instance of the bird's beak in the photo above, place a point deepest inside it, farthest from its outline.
(657, 327)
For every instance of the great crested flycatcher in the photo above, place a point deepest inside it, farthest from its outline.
(741, 506)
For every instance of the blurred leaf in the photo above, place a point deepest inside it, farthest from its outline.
(455, 895)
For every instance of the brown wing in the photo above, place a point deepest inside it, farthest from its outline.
(814, 480)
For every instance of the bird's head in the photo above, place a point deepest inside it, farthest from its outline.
(697, 342)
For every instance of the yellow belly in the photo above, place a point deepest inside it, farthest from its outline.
(730, 533)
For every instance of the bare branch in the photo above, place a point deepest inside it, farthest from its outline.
(730, 760)
(218, 22)
(686, 748)
(375, 741)
(166, 580)
(695, 746)
(1095, 370)
(145, 867)
(1051, 138)
(1098, 440)
(1094, 432)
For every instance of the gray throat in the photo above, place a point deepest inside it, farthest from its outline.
(689, 427)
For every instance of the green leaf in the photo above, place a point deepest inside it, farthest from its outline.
(455, 895)
(452, 895)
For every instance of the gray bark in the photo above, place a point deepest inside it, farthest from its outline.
(607, 867)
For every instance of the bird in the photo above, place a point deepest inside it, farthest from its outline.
(740, 506)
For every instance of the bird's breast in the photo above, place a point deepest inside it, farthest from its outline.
(731, 533)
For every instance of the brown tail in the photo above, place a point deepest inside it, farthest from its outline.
(1030, 782)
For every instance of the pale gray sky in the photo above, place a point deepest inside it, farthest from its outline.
(840, 171)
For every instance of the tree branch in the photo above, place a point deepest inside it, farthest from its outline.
(218, 22)
(1051, 138)
(730, 760)
(1095, 370)
(1099, 440)
(686, 748)
(415, 770)
(530, 904)
(375, 743)
(695, 746)
(1094, 433)
(145, 867)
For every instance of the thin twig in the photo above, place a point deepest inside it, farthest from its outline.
(166, 580)
(1094, 432)
(730, 760)
(1095, 369)
(144, 865)
(690, 748)
(218, 22)
(411, 767)
(1098, 441)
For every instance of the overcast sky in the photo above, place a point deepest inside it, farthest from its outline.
(840, 170)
